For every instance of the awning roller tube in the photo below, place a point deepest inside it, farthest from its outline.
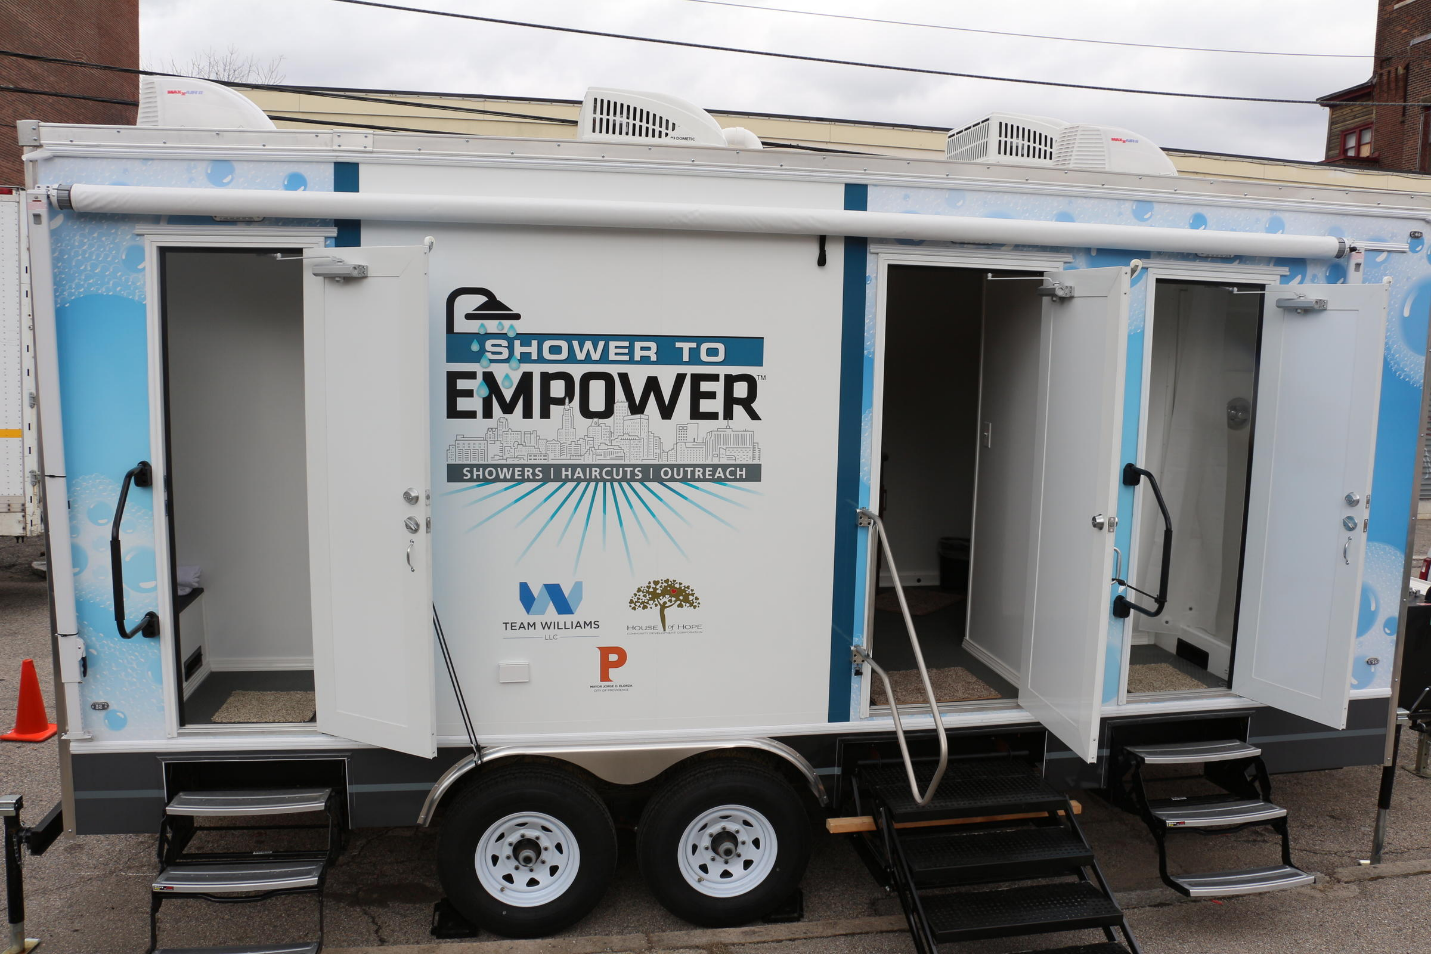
(600, 213)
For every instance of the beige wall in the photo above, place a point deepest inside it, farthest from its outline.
(925, 143)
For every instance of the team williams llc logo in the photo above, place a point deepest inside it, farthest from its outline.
(549, 599)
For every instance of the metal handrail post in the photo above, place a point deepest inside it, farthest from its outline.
(871, 519)
(14, 876)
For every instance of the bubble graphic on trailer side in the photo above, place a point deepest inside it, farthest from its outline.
(220, 172)
(1197, 221)
(115, 719)
(1143, 211)
(100, 514)
(140, 569)
(295, 182)
(1376, 621)
(79, 559)
(1275, 225)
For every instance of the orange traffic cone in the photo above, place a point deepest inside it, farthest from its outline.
(31, 724)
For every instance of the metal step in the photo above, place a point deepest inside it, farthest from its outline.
(968, 790)
(1222, 884)
(286, 801)
(1184, 753)
(1210, 811)
(238, 878)
(1007, 854)
(1105, 947)
(1028, 909)
(311, 947)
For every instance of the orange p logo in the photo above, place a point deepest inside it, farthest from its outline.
(612, 657)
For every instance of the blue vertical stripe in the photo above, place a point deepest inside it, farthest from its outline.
(847, 463)
(345, 179)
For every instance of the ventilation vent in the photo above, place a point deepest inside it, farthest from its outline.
(623, 115)
(1006, 137)
(173, 102)
(1108, 148)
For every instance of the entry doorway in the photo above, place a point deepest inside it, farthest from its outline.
(235, 475)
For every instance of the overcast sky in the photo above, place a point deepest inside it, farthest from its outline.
(336, 44)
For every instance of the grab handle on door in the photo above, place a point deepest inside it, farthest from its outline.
(1122, 606)
(142, 475)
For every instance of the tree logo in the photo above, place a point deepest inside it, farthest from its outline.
(663, 595)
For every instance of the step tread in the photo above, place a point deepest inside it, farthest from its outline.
(1205, 811)
(978, 787)
(956, 855)
(1216, 884)
(250, 802)
(236, 877)
(1027, 909)
(1179, 753)
(307, 947)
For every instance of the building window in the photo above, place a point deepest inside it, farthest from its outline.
(1356, 143)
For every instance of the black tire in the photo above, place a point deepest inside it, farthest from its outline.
(706, 787)
(512, 791)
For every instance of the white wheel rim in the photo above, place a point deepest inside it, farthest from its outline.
(727, 851)
(527, 859)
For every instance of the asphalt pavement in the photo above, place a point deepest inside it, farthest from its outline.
(89, 894)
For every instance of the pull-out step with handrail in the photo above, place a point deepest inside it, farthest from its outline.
(995, 852)
(244, 876)
(1232, 765)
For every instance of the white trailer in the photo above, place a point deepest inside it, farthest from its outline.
(684, 459)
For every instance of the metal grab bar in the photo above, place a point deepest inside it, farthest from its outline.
(142, 475)
(869, 518)
(1122, 606)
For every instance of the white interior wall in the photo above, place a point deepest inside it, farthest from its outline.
(1204, 354)
(1001, 579)
(931, 394)
(236, 451)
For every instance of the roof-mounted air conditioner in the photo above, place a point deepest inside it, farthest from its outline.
(173, 101)
(624, 115)
(1023, 140)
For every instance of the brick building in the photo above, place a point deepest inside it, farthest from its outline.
(1388, 137)
(97, 31)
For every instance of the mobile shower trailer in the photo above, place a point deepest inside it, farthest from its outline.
(627, 421)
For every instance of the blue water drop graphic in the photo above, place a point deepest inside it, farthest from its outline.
(511, 331)
(1197, 221)
(295, 182)
(506, 380)
(1389, 627)
(1418, 304)
(514, 364)
(133, 259)
(140, 570)
(1414, 246)
(1142, 211)
(100, 514)
(1275, 225)
(482, 389)
(1336, 273)
(1063, 216)
(115, 719)
(220, 172)
(482, 327)
(500, 326)
(486, 362)
(79, 558)
(476, 344)
(1370, 609)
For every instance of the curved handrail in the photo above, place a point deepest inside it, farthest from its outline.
(142, 475)
(858, 653)
(1122, 606)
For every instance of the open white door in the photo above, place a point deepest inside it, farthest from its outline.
(1083, 343)
(1318, 385)
(366, 361)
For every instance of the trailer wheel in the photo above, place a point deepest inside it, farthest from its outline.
(526, 852)
(724, 844)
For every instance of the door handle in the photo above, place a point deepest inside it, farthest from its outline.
(1346, 549)
(143, 475)
(410, 545)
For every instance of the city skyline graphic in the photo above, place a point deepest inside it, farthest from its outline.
(590, 515)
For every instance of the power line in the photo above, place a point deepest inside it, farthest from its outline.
(839, 62)
(1027, 36)
(282, 88)
(47, 92)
